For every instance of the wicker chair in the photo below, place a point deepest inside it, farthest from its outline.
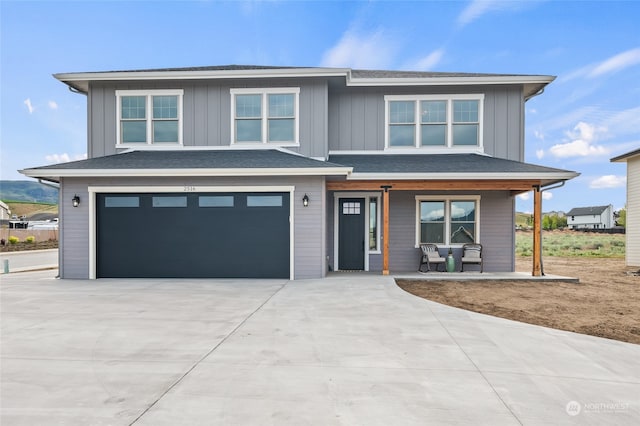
(471, 254)
(430, 255)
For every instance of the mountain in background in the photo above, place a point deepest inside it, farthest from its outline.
(27, 190)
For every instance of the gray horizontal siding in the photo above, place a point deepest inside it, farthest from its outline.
(496, 231)
(74, 235)
(207, 112)
(309, 228)
(356, 117)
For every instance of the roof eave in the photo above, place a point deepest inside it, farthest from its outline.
(544, 177)
(625, 157)
(80, 81)
(303, 171)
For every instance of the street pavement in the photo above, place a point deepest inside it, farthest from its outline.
(345, 350)
(30, 260)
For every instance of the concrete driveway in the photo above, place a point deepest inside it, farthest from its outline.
(347, 350)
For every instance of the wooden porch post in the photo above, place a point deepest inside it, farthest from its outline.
(385, 230)
(537, 236)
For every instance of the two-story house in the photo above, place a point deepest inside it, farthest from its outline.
(253, 171)
(595, 217)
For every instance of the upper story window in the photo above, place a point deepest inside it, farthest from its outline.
(265, 115)
(434, 121)
(149, 117)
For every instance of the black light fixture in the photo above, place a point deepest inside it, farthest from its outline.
(305, 200)
(75, 200)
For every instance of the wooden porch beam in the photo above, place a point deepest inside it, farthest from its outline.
(434, 185)
(385, 231)
(537, 236)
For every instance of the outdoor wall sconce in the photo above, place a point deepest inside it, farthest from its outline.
(305, 200)
(75, 200)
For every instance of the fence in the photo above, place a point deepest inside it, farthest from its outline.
(39, 234)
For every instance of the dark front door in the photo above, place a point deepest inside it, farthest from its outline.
(194, 235)
(351, 234)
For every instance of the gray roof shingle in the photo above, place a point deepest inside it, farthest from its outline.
(587, 211)
(194, 159)
(440, 163)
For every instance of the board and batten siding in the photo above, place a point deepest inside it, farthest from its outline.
(309, 222)
(633, 212)
(357, 122)
(207, 113)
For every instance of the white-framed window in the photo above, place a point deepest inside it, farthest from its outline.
(149, 117)
(447, 221)
(374, 224)
(269, 115)
(428, 121)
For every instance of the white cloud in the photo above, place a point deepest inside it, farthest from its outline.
(58, 158)
(64, 158)
(608, 181)
(525, 196)
(30, 107)
(538, 134)
(429, 62)
(360, 51)
(608, 66)
(539, 154)
(477, 8)
(616, 63)
(581, 142)
(53, 104)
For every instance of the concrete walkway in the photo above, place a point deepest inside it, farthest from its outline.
(347, 350)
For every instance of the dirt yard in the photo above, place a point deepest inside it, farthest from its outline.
(606, 302)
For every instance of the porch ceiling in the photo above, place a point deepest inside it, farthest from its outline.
(513, 185)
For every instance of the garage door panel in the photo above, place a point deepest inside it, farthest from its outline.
(213, 235)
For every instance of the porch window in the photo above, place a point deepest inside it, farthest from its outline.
(447, 221)
(148, 117)
(429, 121)
(373, 224)
(265, 115)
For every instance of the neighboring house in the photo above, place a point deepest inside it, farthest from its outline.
(598, 217)
(251, 171)
(5, 212)
(632, 230)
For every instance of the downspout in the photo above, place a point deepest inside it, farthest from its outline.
(542, 189)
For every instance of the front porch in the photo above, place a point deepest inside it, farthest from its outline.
(461, 276)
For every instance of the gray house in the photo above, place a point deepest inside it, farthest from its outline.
(252, 171)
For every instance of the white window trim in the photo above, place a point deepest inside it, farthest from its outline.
(447, 207)
(149, 116)
(449, 99)
(263, 92)
(336, 217)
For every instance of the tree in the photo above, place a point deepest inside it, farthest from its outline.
(621, 219)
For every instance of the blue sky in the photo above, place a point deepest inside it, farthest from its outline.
(588, 115)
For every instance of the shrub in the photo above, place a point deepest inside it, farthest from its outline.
(30, 239)
(14, 240)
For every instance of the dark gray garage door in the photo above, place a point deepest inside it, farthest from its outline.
(195, 235)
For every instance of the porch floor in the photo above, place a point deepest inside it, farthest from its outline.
(468, 276)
